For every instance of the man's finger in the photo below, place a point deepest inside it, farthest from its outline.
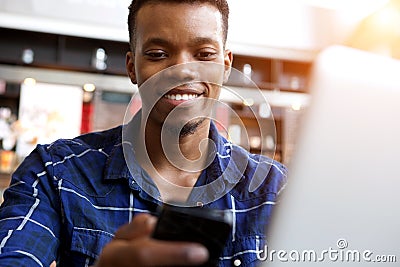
(175, 254)
(151, 252)
(142, 225)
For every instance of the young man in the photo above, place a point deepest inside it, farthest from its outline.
(86, 201)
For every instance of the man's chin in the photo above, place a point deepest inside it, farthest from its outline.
(188, 129)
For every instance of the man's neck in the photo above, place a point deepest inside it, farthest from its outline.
(173, 161)
(170, 147)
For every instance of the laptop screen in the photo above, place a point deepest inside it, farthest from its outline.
(341, 205)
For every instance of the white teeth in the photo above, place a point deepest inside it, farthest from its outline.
(179, 97)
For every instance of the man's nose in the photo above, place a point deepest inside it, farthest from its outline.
(183, 57)
(184, 69)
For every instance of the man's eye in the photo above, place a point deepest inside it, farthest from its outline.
(156, 55)
(207, 55)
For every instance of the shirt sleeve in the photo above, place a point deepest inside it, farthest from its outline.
(29, 217)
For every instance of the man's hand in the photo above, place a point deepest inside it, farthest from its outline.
(133, 246)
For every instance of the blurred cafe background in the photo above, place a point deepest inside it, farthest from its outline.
(62, 67)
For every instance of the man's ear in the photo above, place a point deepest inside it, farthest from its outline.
(130, 66)
(228, 59)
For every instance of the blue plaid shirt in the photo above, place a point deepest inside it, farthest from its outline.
(67, 199)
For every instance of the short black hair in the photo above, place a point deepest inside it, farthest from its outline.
(135, 5)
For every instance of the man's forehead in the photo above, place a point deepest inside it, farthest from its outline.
(204, 18)
(177, 3)
(167, 7)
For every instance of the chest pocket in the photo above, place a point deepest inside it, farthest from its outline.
(89, 242)
(243, 252)
(86, 246)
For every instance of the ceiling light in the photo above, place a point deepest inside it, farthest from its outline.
(29, 82)
(28, 56)
(248, 102)
(296, 106)
(89, 87)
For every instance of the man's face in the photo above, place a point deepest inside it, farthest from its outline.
(169, 34)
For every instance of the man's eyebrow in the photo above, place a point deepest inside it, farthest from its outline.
(194, 42)
(156, 41)
(204, 40)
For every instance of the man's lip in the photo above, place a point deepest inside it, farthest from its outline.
(187, 96)
(182, 91)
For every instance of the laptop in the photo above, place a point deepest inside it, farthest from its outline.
(341, 206)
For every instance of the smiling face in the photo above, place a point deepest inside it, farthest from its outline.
(169, 35)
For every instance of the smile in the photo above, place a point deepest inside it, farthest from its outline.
(179, 97)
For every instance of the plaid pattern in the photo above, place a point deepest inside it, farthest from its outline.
(67, 199)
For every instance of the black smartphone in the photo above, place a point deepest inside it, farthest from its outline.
(210, 227)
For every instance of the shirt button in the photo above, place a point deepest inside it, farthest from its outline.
(200, 204)
(237, 262)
